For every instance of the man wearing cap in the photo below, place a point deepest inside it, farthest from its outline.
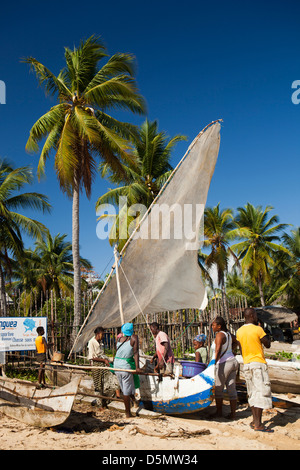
(127, 357)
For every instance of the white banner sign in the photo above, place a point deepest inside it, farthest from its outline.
(19, 333)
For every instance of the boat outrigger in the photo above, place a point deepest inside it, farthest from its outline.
(44, 408)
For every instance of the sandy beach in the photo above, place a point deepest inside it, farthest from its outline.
(88, 428)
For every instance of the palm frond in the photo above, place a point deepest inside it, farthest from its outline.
(35, 201)
(82, 63)
(52, 84)
(32, 227)
(51, 144)
(45, 124)
(13, 180)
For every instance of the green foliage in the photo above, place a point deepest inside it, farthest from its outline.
(78, 127)
(286, 271)
(178, 352)
(286, 355)
(149, 352)
(64, 308)
(264, 271)
(257, 248)
(218, 230)
(22, 374)
(13, 224)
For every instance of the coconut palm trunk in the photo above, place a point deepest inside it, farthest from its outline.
(218, 231)
(76, 260)
(3, 309)
(224, 303)
(260, 289)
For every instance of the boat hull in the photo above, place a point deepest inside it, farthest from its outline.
(42, 408)
(284, 376)
(178, 396)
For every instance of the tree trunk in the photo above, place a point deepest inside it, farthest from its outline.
(76, 261)
(3, 309)
(261, 293)
(224, 303)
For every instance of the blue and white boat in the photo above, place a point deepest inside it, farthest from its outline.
(180, 395)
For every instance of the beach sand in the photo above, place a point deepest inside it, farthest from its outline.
(88, 428)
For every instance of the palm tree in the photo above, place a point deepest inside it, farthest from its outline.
(239, 286)
(48, 267)
(13, 223)
(286, 271)
(236, 286)
(23, 273)
(218, 233)
(143, 177)
(257, 250)
(54, 266)
(78, 128)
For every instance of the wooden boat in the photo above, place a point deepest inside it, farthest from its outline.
(60, 376)
(180, 395)
(155, 273)
(277, 401)
(284, 376)
(168, 395)
(45, 408)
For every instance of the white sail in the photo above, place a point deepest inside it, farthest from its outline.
(159, 269)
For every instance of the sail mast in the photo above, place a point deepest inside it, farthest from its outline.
(207, 161)
(118, 285)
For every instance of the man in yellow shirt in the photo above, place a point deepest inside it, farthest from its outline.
(252, 338)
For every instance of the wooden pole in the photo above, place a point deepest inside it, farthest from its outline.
(52, 320)
(118, 285)
(111, 369)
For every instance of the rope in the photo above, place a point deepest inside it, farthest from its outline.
(141, 310)
(145, 318)
(134, 296)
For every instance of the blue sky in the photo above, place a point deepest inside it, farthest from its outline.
(197, 61)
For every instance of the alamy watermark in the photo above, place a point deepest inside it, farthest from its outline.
(2, 92)
(296, 94)
(164, 222)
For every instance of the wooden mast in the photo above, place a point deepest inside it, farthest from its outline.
(118, 285)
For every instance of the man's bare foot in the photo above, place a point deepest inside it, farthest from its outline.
(262, 428)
